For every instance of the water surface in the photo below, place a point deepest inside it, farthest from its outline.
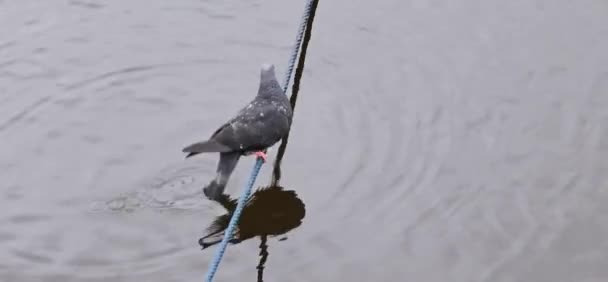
(432, 141)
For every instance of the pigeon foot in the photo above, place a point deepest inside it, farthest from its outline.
(261, 154)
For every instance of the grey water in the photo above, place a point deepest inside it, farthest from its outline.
(432, 140)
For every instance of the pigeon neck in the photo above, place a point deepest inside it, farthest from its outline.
(269, 87)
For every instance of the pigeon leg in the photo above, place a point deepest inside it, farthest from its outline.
(225, 166)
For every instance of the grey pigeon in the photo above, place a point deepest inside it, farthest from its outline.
(257, 126)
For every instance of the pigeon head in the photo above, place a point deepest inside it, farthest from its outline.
(268, 81)
(268, 68)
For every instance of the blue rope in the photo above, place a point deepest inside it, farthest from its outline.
(294, 53)
(215, 263)
(233, 221)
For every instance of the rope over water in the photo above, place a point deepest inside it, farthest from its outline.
(276, 174)
(305, 25)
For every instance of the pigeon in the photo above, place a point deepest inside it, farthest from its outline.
(255, 128)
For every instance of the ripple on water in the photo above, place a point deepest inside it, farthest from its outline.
(391, 148)
(135, 231)
(176, 187)
(92, 244)
(32, 257)
(109, 84)
(87, 4)
(122, 244)
(6, 236)
(28, 218)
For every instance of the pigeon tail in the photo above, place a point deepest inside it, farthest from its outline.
(209, 146)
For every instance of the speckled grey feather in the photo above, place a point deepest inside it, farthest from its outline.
(257, 126)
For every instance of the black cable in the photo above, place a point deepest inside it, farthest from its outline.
(276, 173)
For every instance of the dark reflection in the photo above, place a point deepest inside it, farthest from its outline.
(270, 211)
(263, 257)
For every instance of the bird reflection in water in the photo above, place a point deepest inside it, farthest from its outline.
(270, 211)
